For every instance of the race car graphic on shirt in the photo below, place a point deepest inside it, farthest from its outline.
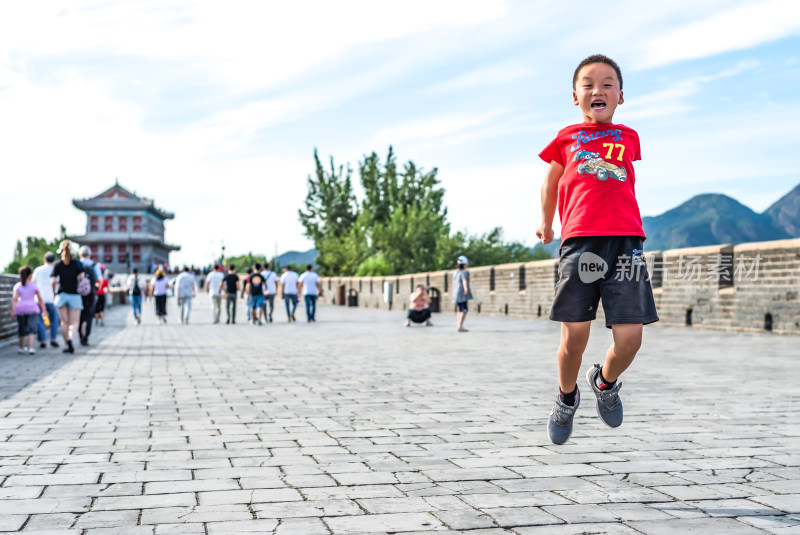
(593, 164)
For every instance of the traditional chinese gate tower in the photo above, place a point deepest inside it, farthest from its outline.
(124, 231)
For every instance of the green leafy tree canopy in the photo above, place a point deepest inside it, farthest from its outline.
(400, 225)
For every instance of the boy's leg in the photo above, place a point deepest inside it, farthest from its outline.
(627, 341)
(603, 380)
(574, 337)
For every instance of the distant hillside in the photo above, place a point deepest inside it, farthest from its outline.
(785, 214)
(298, 258)
(706, 220)
(713, 218)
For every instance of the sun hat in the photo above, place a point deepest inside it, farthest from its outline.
(462, 260)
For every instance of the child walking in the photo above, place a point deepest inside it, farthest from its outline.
(26, 305)
(591, 180)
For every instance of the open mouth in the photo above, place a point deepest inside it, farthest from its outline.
(598, 105)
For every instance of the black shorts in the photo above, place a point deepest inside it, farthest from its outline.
(611, 268)
(462, 306)
(27, 324)
(418, 316)
(100, 304)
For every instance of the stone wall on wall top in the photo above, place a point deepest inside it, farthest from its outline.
(748, 287)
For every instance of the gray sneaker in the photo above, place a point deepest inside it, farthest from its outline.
(609, 406)
(559, 427)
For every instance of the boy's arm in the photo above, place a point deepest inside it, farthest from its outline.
(549, 201)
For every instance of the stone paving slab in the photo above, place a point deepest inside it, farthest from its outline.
(357, 425)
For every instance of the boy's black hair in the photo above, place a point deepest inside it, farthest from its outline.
(597, 58)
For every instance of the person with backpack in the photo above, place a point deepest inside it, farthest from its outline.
(89, 297)
(135, 290)
(254, 287)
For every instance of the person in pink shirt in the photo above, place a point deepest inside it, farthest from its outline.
(25, 308)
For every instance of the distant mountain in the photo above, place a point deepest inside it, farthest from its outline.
(710, 219)
(785, 214)
(297, 258)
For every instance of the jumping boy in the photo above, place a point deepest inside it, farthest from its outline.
(591, 180)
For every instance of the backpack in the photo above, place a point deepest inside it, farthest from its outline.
(84, 287)
(86, 284)
(136, 290)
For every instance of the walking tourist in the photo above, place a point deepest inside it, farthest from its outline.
(289, 280)
(419, 310)
(185, 289)
(67, 272)
(311, 287)
(231, 286)
(135, 289)
(214, 287)
(598, 217)
(160, 286)
(462, 292)
(270, 280)
(254, 288)
(25, 308)
(42, 278)
(92, 272)
(100, 304)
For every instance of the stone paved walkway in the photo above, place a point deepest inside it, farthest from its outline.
(358, 425)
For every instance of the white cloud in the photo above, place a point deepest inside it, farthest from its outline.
(505, 72)
(419, 130)
(736, 29)
(675, 99)
(248, 45)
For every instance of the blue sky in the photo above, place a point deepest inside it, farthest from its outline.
(214, 109)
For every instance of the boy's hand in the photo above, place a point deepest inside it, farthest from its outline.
(545, 233)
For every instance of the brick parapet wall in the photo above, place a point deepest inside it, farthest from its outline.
(8, 325)
(766, 297)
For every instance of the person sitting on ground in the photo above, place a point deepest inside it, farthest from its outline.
(419, 311)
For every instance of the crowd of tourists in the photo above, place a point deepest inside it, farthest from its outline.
(257, 288)
(70, 293)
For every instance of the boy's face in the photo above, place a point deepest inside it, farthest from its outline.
(597, 92)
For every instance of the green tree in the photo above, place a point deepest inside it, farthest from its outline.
(330, 203)
(32, 252)
(400, 225)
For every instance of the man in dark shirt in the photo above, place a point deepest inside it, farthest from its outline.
(231, 285)
(254, 285)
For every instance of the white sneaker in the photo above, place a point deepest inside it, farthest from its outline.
(31, 351)
(20, 350)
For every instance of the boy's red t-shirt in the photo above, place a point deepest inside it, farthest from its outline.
(596, 194)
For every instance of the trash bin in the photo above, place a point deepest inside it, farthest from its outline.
(340, 295)
(352, 298)
(436, 300)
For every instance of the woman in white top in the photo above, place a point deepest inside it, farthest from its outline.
(160, 285)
